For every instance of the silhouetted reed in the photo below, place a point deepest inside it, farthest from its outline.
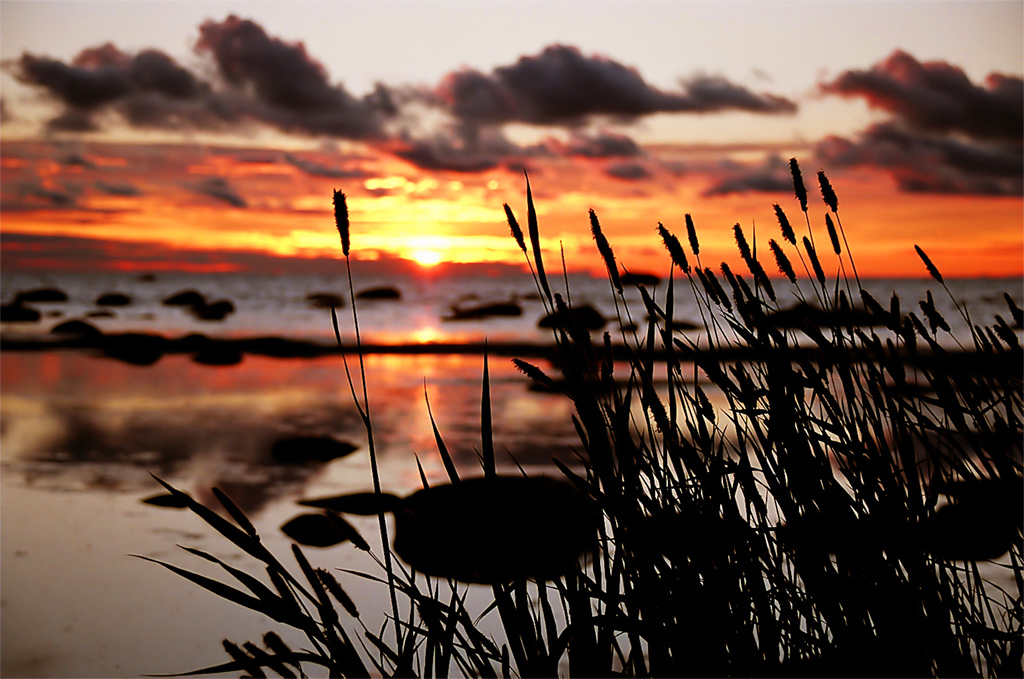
(825, 517)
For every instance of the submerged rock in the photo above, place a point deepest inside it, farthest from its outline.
(76, 327)
(648, 280)
(302, 449)
(585, 316)
(473, 313)
(185, 298)
(385, 292)
(113, 299)
(41, 295)
(134, 348)
(18, 313)
(486, 530)
(215, 311)
(325, 300)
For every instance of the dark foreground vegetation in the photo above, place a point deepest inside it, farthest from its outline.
(841, 510)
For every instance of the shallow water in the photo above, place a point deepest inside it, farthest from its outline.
(80, 435)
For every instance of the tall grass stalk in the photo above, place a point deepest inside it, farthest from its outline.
(838, 504)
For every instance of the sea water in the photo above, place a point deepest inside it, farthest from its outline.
(81, 434)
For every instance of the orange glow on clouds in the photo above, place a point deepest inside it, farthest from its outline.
(261, 201)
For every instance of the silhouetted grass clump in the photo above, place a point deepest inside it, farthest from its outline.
(834, 511)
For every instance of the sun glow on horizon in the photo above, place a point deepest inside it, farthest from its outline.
(426, 258)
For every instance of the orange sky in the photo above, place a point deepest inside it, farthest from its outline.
(176, 197)
(121, 150)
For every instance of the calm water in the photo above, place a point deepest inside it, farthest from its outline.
(79, 436)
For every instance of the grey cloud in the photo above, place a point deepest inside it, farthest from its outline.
(929, 163)
(113, 189)
(772, 176)
(936, 96)
(630, 171)
(561, 86)
(602, 145)
(218, 187)
(263, 79)
(316, 169)
(289, 89)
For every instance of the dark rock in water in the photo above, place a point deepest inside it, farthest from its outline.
(314, 530)
(18, 313)
(76, 327)
(134, 348)
(215, 311)
(488, 530)
(113, 299)
(216, 353)
(166, 500)
(185, 298)
(363, 504)
(325, 300)
(807, 314)
(279, 347)
(474, 313)
(42, 295)
(981, 521)
(379, 293)
(146, 277)
(585, 316)
(100, 314)
(648, 280)
(301, 449)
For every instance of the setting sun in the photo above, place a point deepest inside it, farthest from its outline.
(426, 258)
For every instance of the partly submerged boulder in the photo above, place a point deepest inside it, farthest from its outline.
(76, 327)
(185, 298)
(41, 295)
(302, 449)
(384, 292)
(18, 313)
(584, 316)
(113, 299)
(481, 311)
(325, 300)
(486, 530)
(214, 311)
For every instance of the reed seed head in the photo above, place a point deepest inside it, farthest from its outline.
(928, 264)
(833, 236)
(341, 220)
(782, 261)
(691, 233)
(787, 230)
(827, 194)
(517, 232)
(741, 243)
(606, 251)
(675, 250)
(818, 272)
(798, 183)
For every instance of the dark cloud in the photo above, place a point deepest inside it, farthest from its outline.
(316, 169)
(931, 163)
(218, 187)
(117, 189)
(561, 86)
(772, 176)
(461, 148)
(602, 145)
(936, 96)
(30, 194)
(946, 135)
(260, 78)
(280, 84)
(630, 171)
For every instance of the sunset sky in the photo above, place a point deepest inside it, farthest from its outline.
(209, 136)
